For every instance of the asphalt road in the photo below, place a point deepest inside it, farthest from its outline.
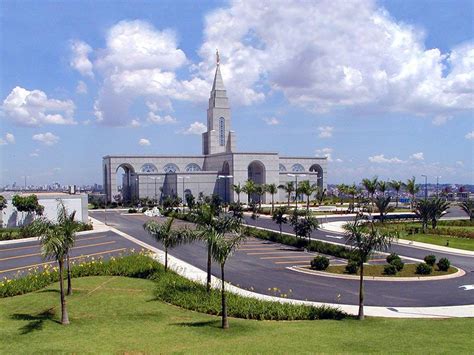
(16, 259)
(262, 266)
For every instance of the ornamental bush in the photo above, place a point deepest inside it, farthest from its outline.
(423, 269)
(320, 263)
(398, 263)
(444, 264)
(352, 267)
(392, 257)
(430, 259)
(390, 269)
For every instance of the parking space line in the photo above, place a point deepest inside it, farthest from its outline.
(256, 249)
(73, 258)
(287, 257)
(291, 262)
(78, 247)
(274, 252)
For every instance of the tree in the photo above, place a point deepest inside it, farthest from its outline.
(363, 246)
(28, 204)
(320, 194)
(259, 191)
(438, 208)
(3, 205)
(352, 191)
(382, 187)
(303, 224)
(371, 186)
(249, 189)
(306, 189)
(169, 237)
(412, 188)
(279, 217)
(238, 190)
(222, 248)
(397, 186)
(342, 189)
(190, 201)
(423, 212)
(272, 189)
(468, 207)
(288, 187)
(383, 205)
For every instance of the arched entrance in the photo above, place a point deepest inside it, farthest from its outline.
(256, 173)
(124, 175)
(316, 168)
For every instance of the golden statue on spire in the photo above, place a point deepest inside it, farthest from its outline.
(217, 57)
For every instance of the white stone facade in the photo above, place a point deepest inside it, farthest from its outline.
(156, 176)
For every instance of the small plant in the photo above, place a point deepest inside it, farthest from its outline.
(144, 209)
(352, 267)
(398, 263)
(392, 257)
(320, 263)
(430, 260)
(132, 210)
(423, 269)
(444, 264)
(390, 269)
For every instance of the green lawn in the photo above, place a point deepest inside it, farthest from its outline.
(120, 315)
(378, 270)
(443, 240)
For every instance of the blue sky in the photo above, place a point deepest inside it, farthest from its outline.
(382, 88)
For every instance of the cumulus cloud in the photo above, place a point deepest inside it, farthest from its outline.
(81, 87)
(47, 138)
(325, 131)
(469, 135)
(417, 156)
(80, 58)
(144, 142)
(9, 139)
(381, 159)
(327, 152)
(195, 128)
(271, 121)
(135, 123)
(34, 108)
(157, 119)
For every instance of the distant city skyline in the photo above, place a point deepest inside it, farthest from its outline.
(382, 88)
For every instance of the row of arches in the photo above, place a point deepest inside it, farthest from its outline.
(169, 168)
(298, 168)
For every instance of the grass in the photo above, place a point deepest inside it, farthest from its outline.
(120, 315)
(377, 270)
(442, 240)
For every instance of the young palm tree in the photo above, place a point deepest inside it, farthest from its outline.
(397, 186)
(167, 236)
(238, 190)
(382, 187)
(371, 186)
(307, 189)
(412, 188)
(383, 205)
(288, 187)
(468, 207)
(352, 191)
(363, 246)
(249, 189)
(279, 217)
(222, 248)
(272, 189)
(259, 191)
(438, 208)
(423, 210)
(320, 194)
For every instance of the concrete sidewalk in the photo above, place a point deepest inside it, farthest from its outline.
(195, 274)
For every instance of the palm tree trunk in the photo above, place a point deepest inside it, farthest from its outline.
(166, 259)
(64, 315)
(273, 202)
(307, 203)
(280, 228)
(69, 286)
(209, 261)
(396, 204)
(288, 199)
(238, 198)
(225, 322)
(361, 293)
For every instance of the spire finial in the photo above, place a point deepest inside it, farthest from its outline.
(217, 57)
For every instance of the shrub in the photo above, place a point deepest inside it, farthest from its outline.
(398, 263)
(390, 269)
(144, 209)
(320, 263)
(430, 260)
(444, 264)
(132, 210)
(392, 257)
(352, 267)
(423, 269)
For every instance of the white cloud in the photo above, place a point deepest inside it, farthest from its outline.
(9, 139)
(157, 119)
(327, 152)
(81, 87)
(144, 142)
(417, 156)
(80, 58)
(460, 163)
(47, 138)
(381, 159)
(271, 121)
(135, 123)
(33, 108)
(195, 128)
(325, 131)
(3, 141)
(469, 135)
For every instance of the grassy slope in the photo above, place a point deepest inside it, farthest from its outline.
(121, 316)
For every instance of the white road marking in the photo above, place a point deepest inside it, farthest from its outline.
(467, 287)
(333, 236)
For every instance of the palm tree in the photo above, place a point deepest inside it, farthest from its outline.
(412, 188)
(249, 189)
(438, 208)
(468, 207)
(423, 210)
(279, 216)
(363, 246)
(167, 236)
(272, 189)
(238, 190)
(320, 194)
(382, 187)
(259, 191)
(288, 187)
(342, 188)
(222, 248)
(352, 190)
(306, 189)
(371, 186)
(397, 186)
(383, 205)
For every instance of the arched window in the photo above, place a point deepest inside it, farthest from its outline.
(297, 168)
(222, 131)
(170, 168)
(148, 168)
(193, 167)
(282, 167)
